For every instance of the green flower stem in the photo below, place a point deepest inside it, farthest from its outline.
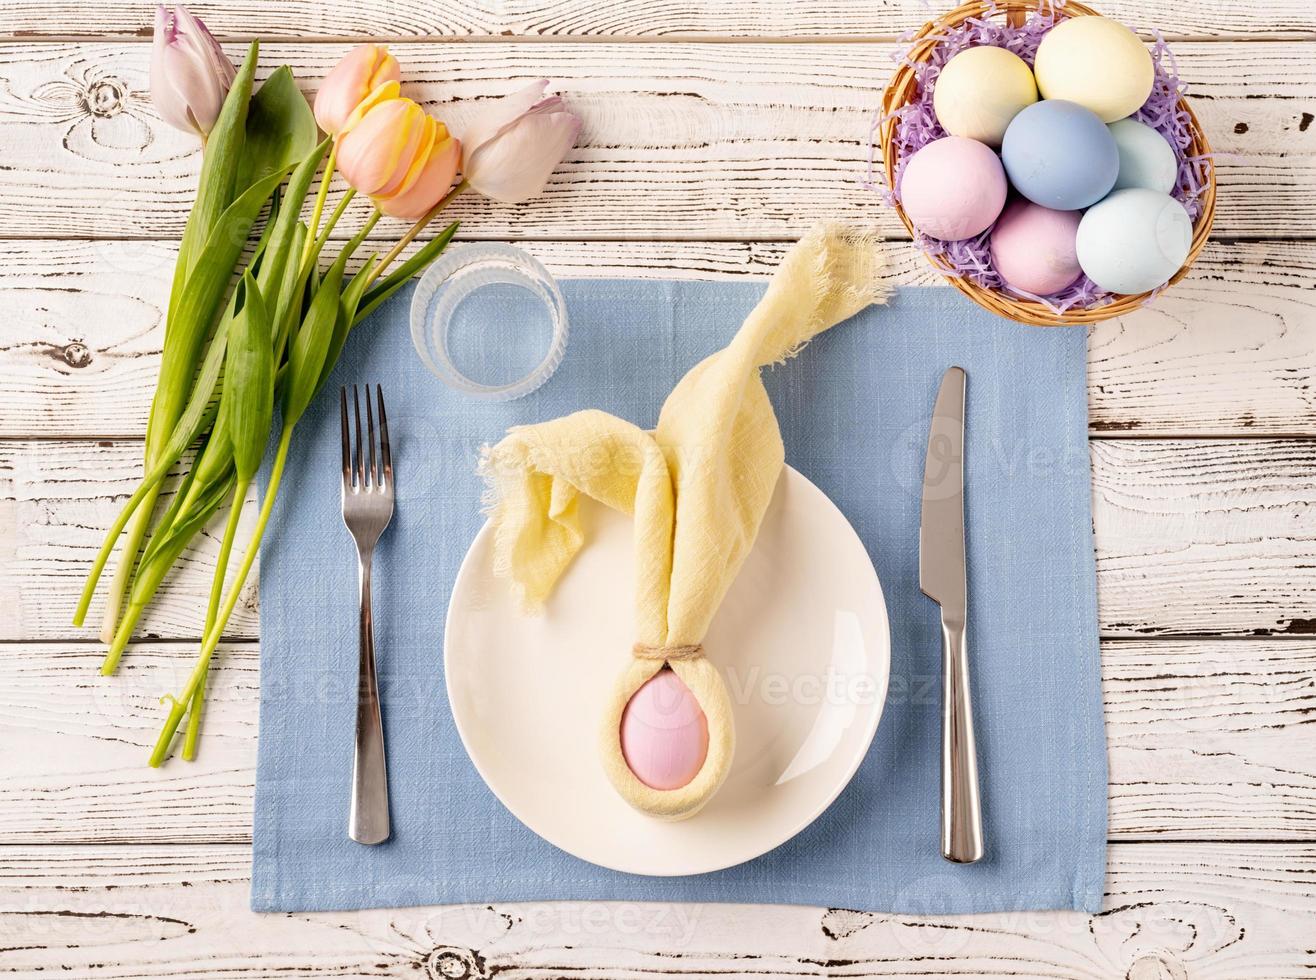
(194, 707)
(320, 198)
(179, 706)
(148, 488)
(225, 549)
(163, 550)
(366, 229)
(192, 699)
(415, 230)
(316, 244)
(123, 574)
(212, 613)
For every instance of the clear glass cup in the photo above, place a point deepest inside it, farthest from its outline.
(489, 320)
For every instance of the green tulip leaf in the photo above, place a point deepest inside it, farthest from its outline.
(351, 299)
(382, 289)
(280, 130)
(248, 401)
(168, 543)
(311, 343)
(291, 292)
(217, 186)
(197, 311)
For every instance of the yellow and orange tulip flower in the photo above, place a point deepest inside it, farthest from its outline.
(398, 154)
(361, 72)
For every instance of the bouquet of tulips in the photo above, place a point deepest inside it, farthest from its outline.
(257, 316)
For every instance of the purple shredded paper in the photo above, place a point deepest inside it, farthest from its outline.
(917, 126)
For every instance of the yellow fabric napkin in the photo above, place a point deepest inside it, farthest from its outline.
(698, 486)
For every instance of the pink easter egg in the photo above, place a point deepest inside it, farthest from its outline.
(1033, 248)
(953, 188)
(664, 734)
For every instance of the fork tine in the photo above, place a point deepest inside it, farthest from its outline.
(356, 450)
(372, 474)
(347, 442)
(386, 456)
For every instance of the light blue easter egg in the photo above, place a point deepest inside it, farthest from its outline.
(1060, 155)
(1146, 159)
(1134, 240)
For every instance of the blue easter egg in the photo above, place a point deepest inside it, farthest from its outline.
(1146, 159)
(1134, 240)
(1060, 155)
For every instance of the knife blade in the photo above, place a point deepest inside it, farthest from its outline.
(943, 578)
(941, 531)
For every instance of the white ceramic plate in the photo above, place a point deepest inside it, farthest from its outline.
(802, 642)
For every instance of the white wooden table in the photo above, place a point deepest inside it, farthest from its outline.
(714, 133)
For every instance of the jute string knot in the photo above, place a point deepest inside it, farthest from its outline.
(646, 651)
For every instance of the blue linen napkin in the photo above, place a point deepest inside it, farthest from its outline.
(854, 410)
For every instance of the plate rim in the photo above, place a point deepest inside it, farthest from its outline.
(882, 692)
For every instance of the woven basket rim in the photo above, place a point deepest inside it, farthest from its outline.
(902, 88)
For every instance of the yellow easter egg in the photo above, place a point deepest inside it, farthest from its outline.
(980, 90)
(1096, 62)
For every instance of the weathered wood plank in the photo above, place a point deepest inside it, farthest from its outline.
(1205, 537)
(1203, 910)
(1199, 537)
(76, 745)
(681, 141)
(1211, 739)
(374, 19)
(1232, 350)
(45, 554)
(1207, 741)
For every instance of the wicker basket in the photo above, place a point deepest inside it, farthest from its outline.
(903, 88)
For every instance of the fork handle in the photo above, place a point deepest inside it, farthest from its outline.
(368, 820)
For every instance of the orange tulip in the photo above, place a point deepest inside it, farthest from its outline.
(363, 70)
(401, 156)
(434, 180)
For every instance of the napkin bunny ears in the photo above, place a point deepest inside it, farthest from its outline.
(697, 486)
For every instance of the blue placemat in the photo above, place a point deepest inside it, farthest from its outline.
(854, 411)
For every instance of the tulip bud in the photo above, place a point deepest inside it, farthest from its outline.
(433, 181)
(359, 74)
(377, 151)
(512, 149)
(402, 157)
(190, 76)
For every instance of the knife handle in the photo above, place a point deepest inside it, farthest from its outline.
(961, 808)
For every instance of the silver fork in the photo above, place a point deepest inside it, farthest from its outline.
(367, 509)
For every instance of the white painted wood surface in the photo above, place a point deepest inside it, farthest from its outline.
(722, 145)
(713, 133)
(81, 339)
(1175, 910)
(642, 19)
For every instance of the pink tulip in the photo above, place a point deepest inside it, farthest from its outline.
(398, 154)
(190, 76)
(513, 148)
(360, 73)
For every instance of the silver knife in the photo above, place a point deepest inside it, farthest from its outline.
(941, 572)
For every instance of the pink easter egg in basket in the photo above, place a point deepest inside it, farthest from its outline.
(953, 188)
(1034, 248)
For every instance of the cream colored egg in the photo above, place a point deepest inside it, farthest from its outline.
(1096, 62)
(980, 90)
